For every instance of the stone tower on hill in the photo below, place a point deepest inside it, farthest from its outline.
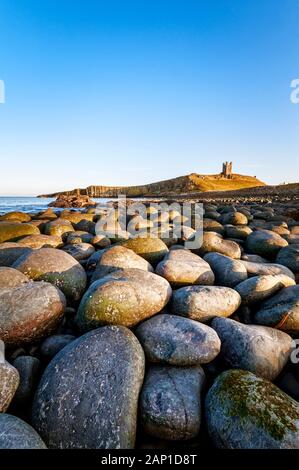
(227, 169)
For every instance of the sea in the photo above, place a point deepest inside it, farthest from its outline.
(30, 204)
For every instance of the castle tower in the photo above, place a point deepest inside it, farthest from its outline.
(227, 169)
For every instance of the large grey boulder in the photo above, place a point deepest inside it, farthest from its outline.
(87, 397)
(259, 349)
(228, 271)
(265, 243)
(183, 268)
(281, 310)
(177, 341)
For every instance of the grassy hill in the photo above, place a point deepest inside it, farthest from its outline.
(172, 187)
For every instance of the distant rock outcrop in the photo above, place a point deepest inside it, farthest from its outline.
(64, 200)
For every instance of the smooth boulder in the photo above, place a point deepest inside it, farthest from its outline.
(29, 312)
(118, 257)
(258, 288)
(150, 248)
(203, 303)
(10, 277)
(13, 231)
(265, 243)
(183, 268)
(124, 297)
(88, 395)
(178, 341)
(259, 349)
(228, 271)
(281, 310)
(57, 267)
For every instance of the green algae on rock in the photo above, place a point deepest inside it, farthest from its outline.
(244, 411)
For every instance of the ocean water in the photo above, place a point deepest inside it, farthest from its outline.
(30, 204)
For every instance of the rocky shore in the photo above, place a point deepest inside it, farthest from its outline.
(120, 342)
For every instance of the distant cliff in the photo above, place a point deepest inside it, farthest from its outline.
(172, 187)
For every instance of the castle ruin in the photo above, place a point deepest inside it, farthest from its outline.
(227, 169)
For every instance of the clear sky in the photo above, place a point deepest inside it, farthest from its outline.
(131, 92)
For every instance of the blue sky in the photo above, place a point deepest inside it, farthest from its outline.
(130, 92)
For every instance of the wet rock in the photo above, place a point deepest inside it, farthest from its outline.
(58, 268)
(228, 271)
(124, 297)
(88, 395)
(177, 341)
(16, 434)
(244, 411)
(203, 303)
(259, 349)
(170, 404)
(182, 268)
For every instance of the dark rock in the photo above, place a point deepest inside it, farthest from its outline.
(88, 395)
(170, 403)
(29, 370)
(53, 344)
